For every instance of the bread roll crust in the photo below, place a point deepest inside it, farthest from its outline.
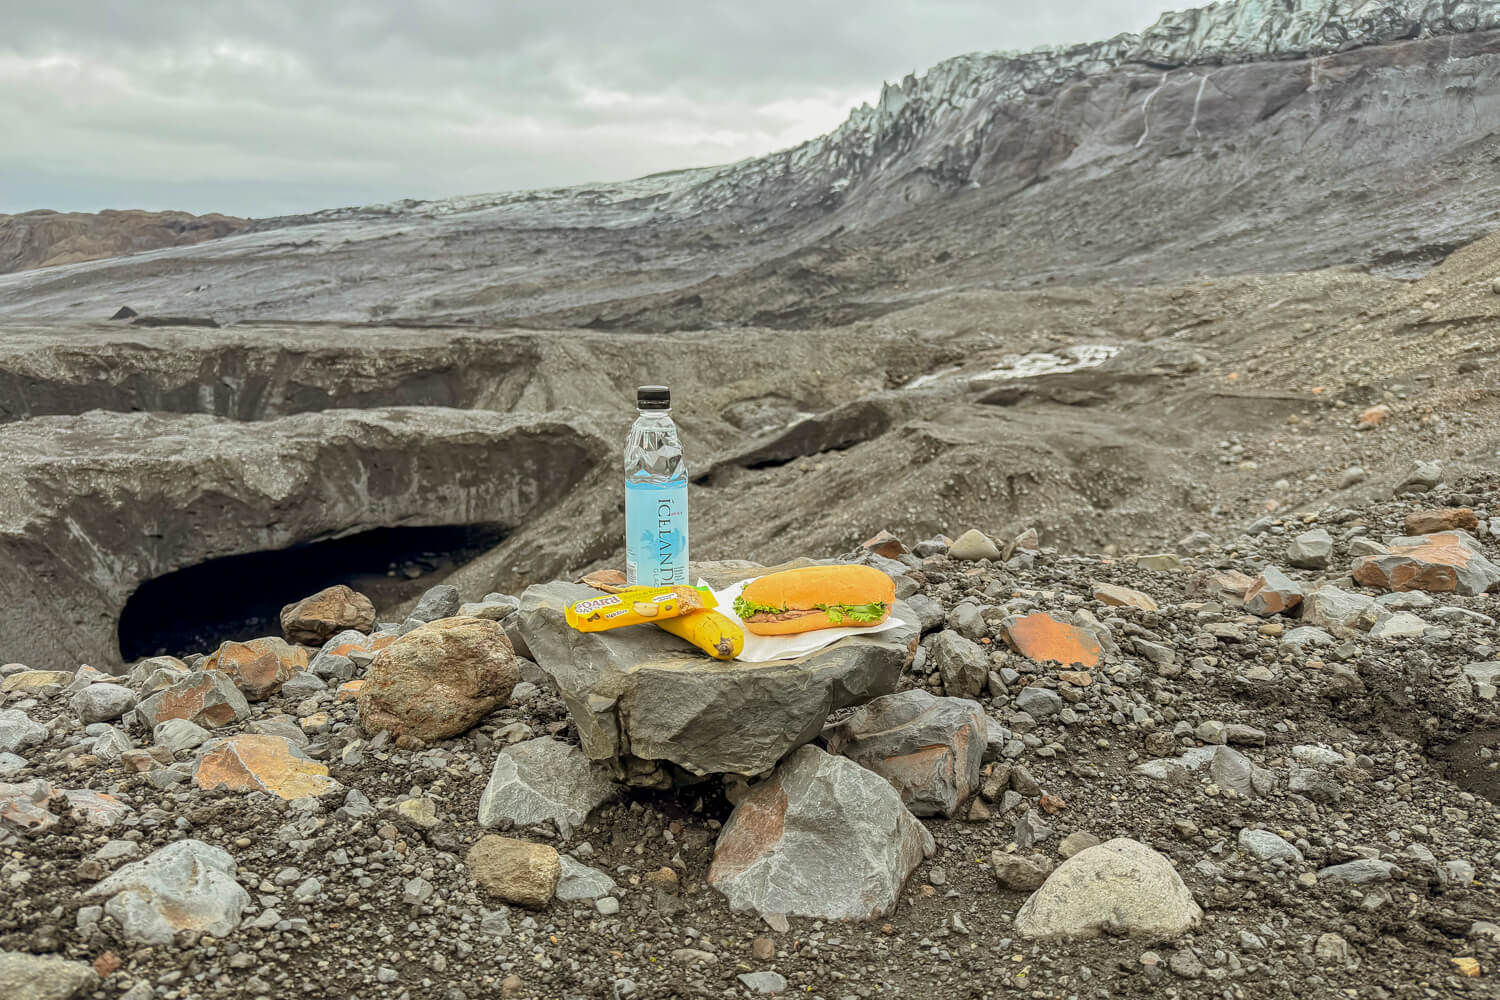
(804, 589)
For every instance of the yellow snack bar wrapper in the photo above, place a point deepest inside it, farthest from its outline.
(637, 606)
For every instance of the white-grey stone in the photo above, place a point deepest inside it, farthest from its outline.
(102, 702)
(11, 764)
(1307, 636)
(1358, 871)
(579, 881)
(973, 544)
(608, 906)
(763, 982)
(1330, 607)
(963, 665)
(1120, 886)
(24, 976)
(110, 744)
(1310, 550)
(1401, 625)
(1317, 755)
(17, 731)
(1267, 846)
(822, 838)
(1233, 770)
(544, 780)
(179, 735)
(930, 749)
(187, 885)
(302, 684)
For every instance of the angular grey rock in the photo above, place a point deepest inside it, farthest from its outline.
(1307, 637)
(1030, 829)
(763, 982)
(187, 885)
(1018, 872)
(1359, 871)
(1332, 608)
(821, 838)
(966, 620)
(1267, 846)
(928, 611)
(930, 749)
(151, 667)
(1485, 677)
(642, 694)
(1233, 770)
(971, 545)
(205, 697)
(1424, 476)
(24, 976)
(302, 684)
(579, 881)
(1316, 754)
(1310, 550)
(11, 764)
(1121, 886)
(179, 735)
(1039, 702)
(110, 744)
(441, 601)
(102, 702)
(963, 665)
(1442, 561)
(495, 611)
(1314, 785)
(1401, 625)
(1273, 593)
(17, 731)
(544, 779)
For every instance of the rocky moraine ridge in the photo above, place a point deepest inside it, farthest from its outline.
(1260, 765)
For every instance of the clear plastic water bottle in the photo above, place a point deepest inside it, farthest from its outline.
(656, 481)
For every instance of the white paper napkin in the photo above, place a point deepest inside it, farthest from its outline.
(765, 648)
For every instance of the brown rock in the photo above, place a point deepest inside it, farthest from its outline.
(762, 949)
(1425, 522)
(262, 763)
(349, 690)
(664, 879)
(314, 620)
(1123, 597)
(439, 680)
(1220, 585)
(1273, 593)
(207, 697)
(37, 682)
(1374, 416)
(1041, 637)
(516, 871)
(107, 964)
(369, 644)
(1444, 562)
(258, 667)
(883, 543)
(511, 985)
(1077, 678)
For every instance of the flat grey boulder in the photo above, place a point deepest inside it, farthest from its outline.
(1359, 871)
(187, 885)
(643, 695)
(541, 780)
(44, 977)
(930, 749)
(17, 731)
(1330, 607)
(102, 702)
(441, 601)
(823, 838)
(1120, 887)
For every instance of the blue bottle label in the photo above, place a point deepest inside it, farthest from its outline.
(656, 534)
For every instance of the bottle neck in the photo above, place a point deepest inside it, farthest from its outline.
(655, 413)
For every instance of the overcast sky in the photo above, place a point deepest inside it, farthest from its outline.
(274, 106)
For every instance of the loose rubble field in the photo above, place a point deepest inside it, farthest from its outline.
(1315, 760)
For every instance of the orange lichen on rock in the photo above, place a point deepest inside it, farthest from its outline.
(1041, 637)
(262, 763)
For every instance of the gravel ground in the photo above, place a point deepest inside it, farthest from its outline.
(1390, 749)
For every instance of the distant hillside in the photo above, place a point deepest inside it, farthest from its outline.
(44, 238)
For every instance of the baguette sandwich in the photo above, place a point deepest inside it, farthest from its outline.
(817, 597)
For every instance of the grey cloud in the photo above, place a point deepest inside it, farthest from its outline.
(263, 108)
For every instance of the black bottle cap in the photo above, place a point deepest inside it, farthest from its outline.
(653, 397)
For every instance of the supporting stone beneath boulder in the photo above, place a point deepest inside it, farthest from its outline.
(823, 838)
(930, 749)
